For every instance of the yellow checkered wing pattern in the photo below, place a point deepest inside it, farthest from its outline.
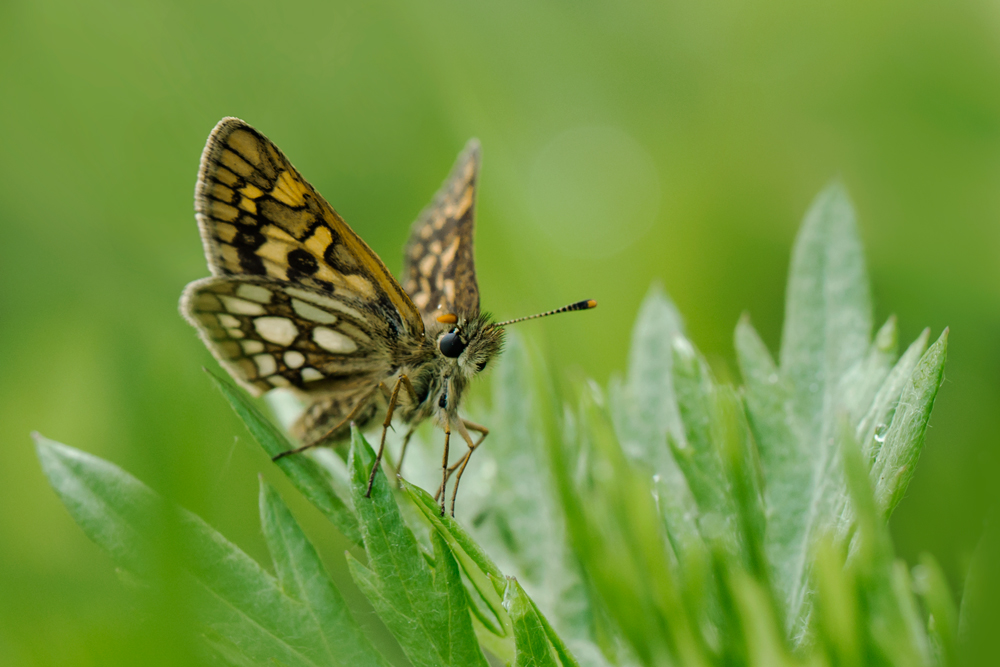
(259, 217)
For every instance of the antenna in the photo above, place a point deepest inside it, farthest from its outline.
(579, 305)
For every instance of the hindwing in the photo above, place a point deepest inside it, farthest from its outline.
(440, 271)
(269, 333)
(259, 217)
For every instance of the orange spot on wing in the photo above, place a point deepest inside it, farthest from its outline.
(448, 318)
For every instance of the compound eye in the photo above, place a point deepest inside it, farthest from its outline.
(451, 344)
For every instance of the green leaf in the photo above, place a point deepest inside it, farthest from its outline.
(905, 638)
(742, 474)
(646, 416)
(532, 644)
(314, 481)
(242, 605)
(788, 480)
(425, 606)
(763, 638)
(838, 616)
(302, 576)
(514, 513)
(897, 459)
(697, 454)
(979, 613)
(485, 577)
(871, 544)
(941, 615)
(894, 629)
(617, 537)
(826, 334)
(828, 317)
(652, 407)
(872, 428)
(860, 384)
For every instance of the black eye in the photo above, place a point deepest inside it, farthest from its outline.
(481, 365)
(451, 345)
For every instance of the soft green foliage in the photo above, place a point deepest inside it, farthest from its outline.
(251, 617)
(672, 520)
(321, 480)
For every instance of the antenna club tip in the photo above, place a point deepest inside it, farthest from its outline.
(591, 303)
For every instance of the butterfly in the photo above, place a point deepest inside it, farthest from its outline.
(297, 300)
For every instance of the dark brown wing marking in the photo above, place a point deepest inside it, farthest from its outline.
(440, 271)
(258, 216)
(269, 333)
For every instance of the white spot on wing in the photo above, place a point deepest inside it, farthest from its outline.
(325, 301)
(278, 330)
(333, 341)
(310, 374)
(279, 381)
(240, 306)
(235, 333)
(311, 312)
(265, 364)
(427, 264)
(294, 359)
(252, 346)
(228, 321)
(254, 293)
(449, 253)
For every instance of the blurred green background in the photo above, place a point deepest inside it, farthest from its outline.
(624, 143)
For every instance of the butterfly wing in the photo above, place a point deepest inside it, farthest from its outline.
(440, 272)
(269, 333)
(259, 217)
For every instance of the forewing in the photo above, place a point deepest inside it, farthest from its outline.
(259, 217)
(269, 333)
(440, 271)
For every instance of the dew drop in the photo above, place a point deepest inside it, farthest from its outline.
(880, 432)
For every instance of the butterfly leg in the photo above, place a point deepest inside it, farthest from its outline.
(346, 420)
(467, 425)
(472, 445)
(445, 471)
(402, 453)
(393, 399)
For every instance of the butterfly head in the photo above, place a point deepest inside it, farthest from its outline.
(469, 342)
